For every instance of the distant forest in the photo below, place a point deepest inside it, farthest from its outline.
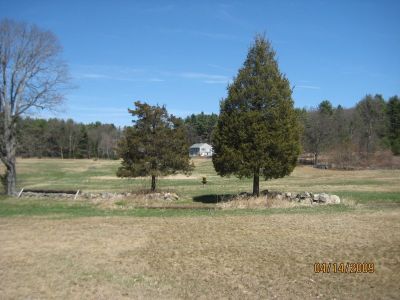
(66, 139)
(346, 134)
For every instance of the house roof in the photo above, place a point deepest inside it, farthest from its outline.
(200, 145)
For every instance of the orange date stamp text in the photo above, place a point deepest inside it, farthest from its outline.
(344, 267)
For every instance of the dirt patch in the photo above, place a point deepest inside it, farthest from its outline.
(204, 257)
(129, 201)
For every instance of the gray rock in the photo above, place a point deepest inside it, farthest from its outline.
(304, 195)
(323, 198)
(244, 194)
(168, 196)
(333, 199)
(171, 196)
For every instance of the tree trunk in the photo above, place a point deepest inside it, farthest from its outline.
(8, 157)
(369, 136)
(256, 184)
(11, 177)
(70, 147)
(153, 183)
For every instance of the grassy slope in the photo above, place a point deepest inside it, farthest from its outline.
(377, 187)
(89, 175)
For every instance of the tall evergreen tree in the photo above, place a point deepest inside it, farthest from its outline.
(155, 145)
(258, 130)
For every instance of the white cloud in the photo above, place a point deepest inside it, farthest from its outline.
(221, 68)
(216, 81)
(111, 72)
(156, 80)
(98, 109)
(115, 73)
(206, 78)
(92, 76)
(211, 35)
(311, 87)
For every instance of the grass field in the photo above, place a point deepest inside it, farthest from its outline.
(90, 175)
(51, 248)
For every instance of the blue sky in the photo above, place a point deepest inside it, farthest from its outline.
(184, 53)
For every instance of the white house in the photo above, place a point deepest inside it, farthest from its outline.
(201, 149)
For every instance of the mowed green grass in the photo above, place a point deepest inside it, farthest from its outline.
(99, 176)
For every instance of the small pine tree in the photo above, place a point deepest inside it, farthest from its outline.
(83, 143)
(258, 130)
(156, 145)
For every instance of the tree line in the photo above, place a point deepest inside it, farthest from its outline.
(346, 134)
(66, 139)
(60, 138)
(352, 135)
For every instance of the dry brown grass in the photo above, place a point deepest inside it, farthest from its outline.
(263, 202)
(134, 201)
(202, 257)
(257, 203)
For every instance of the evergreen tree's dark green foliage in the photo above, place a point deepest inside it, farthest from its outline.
(155, 145)
(258, 130)
(200, 127)
(393, 112)
(83, 144)
(326, 108)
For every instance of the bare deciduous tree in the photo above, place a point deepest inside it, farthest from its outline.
(318, 129)
(32, 76)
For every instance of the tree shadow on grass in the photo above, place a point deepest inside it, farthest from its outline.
(214, 198)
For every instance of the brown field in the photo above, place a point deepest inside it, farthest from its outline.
(108, 249)
(238, 257)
